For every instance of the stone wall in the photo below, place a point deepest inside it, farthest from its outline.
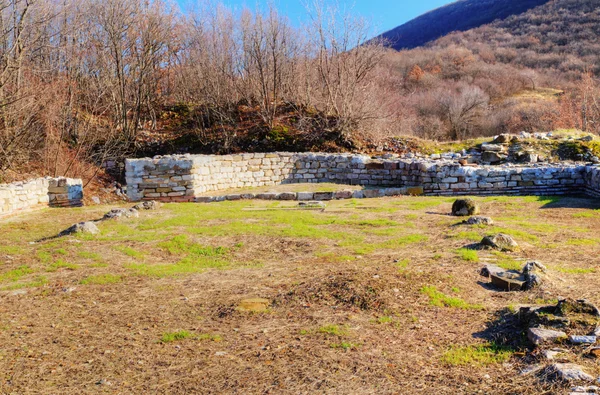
(592, 180)
(188, 177)
(41, 192)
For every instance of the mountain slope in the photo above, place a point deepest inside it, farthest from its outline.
(562, 35)
(459, 16)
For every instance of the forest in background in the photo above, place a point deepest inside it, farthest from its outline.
(85, 82)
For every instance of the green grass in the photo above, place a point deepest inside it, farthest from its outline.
(15, 274)
(102, 279)
(344, 345)
(467, 255)
(587, 214)
(131, 252)
(480, 355)
(90, 255)
(386, 319)
(60, 264)
(333, 330)
(583, 242)
(437, 298)
(168, 337)
(575, 270)
(11, 250)
(403, 264)
(180, 245)
(187, 265)
(332, 257)
(38, 282)
(469, 235)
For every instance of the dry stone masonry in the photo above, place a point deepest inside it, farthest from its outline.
(188, 177)
(40, 192)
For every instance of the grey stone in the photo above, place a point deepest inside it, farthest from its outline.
(323, 196)
(583, 339)
(492, 157)
(508, 281)
(540, 336)
(286, 196)
(118, 213)
(568, 372)
(305, 196)
(501, 241)
(81, 227)
(478, 220)
(555, 354)
(96, 199)
(147, 205)
(491, 148)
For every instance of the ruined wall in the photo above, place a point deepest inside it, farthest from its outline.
(40, 192)
(592, 180)
(188, 177)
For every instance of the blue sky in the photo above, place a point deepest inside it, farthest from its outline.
(383, 14)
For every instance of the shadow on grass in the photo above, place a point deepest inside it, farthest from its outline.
(572, 201)
(504, 329)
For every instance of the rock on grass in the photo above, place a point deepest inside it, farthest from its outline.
(464, 208)
(501, 241)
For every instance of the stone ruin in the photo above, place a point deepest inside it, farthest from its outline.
(41, 192)
(188, 178)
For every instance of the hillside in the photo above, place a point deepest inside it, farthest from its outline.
(459, 16)
(561, 35)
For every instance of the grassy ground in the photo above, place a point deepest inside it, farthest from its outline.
(368, 296)
(304, 187)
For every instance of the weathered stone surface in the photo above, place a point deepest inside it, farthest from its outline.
(582, 339)
(508, 281)
(479, 220)
(147, 205)
(489, 270)
(81, 227)
(492, 157)
(568, 372)
(464, 207)
(557, 354)
(501, 241)
(578, 306)
(540, 336)
(119, 213)
(170, 178)
(595, 352)
(502, 139)
(492, 147)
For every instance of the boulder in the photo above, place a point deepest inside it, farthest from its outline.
(540, 336)
(492, 157)
(527, 157)
(147, 205)
(464, 208)
(118, 213)
(502, 139)
(501, 241)
(81, 227)
(478, 220)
